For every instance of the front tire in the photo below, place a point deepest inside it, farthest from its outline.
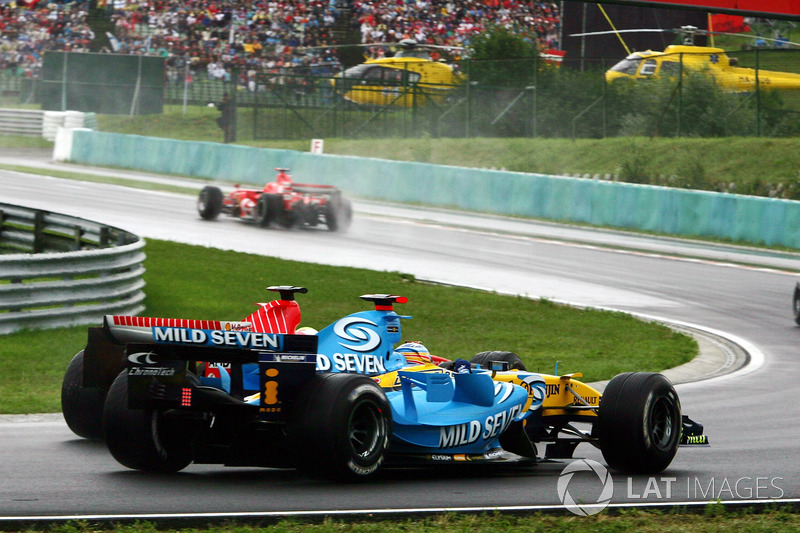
(82, 406)
(209, 202)
(639, 423)
(340, 426)
(141, 439)
(796, 304)
(513, 360)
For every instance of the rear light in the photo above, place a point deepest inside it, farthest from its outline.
(186, 397)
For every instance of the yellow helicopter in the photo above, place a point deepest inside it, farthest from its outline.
(714, 61)
(411, 77)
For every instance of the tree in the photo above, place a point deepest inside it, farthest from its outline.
(502, 58)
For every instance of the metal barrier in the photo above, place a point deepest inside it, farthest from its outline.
(58, 271)
(34, 123)
(21, 122)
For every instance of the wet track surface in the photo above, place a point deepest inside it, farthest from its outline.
(749, 416)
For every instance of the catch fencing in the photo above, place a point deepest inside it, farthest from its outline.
(511, 98)
(58, 271)
(521, 97)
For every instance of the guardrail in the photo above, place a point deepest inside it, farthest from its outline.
(22, 122)
(36, 123)
(57, 270)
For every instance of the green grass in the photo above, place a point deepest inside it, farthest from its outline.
(710, 519)
(740, 164)
(752, 165)
(195, 282)
(197, 124)
(94, 178)
(24, 141)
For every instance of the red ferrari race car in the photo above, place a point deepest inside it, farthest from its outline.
(282, 201)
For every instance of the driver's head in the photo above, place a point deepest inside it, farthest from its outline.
(415, 352)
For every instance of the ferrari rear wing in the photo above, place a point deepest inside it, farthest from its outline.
(312, 188)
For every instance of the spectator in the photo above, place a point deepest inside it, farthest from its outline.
(260, 34)
(226, 119)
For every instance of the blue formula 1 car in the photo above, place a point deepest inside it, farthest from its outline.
(343, 401)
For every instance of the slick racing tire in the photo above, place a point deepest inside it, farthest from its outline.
(141, 439)
(796, 304)
(264, 212)
(269, 209)
(513, 360)
(639, 423)
(340, 427)
(339, 214)
(82, 406)
(209, 202)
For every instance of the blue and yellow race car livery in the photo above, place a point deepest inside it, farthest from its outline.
(345, 400)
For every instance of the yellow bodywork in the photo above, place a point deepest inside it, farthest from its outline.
(399, 82)
(563, 392)
(713, 61)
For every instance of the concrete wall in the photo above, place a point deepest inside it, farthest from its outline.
(671, 211)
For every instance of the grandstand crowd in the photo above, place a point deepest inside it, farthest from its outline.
(210, 37)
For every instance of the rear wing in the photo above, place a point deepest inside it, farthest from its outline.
(203, 340)
(159, 352)
(130, 329)
(311, 188)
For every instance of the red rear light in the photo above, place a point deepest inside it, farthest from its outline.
(186, 397)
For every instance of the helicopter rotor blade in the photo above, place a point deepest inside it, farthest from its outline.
(400, 44)
(684, 30)
(706, 32)
(612, 32)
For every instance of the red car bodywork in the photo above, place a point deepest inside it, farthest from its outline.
(281, 201)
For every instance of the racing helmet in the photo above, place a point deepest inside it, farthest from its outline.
(415, 352)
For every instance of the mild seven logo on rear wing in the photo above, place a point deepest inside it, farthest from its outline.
(218, 338)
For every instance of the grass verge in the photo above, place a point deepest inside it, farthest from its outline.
(712, 518)
(94, 178)
(732, 164)
(186, 281)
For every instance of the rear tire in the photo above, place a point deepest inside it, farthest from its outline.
(141, 439)
(264, 212)
(796, 304)
(513, 360)
(339, 214)
(639, 423)
(340, 426)
(209, 202)
(82, 406)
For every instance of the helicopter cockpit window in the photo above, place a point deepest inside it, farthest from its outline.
(627, 66)
(356, 71)
(388, 76)
(670, 68)
(392, 76)
(374, 74)
(648, 68)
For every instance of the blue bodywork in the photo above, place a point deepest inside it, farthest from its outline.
(453, 413)
(435, 412)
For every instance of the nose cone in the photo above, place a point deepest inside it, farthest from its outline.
(612, 76)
